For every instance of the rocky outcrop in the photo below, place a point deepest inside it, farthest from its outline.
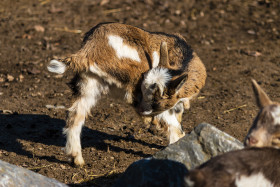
(204, 142)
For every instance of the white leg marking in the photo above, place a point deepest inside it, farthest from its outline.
(123, 50)
(256, 180)
(91, 90)
(155, 59)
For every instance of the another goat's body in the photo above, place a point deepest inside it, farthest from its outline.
(115, 56)
(256, 167)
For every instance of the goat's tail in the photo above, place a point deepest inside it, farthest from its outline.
(76, 62)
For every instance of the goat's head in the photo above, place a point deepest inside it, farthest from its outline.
(265, 131)
(160, 86)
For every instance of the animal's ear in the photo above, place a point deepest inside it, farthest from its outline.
(163, 59)
(261, 97)
(176, 85)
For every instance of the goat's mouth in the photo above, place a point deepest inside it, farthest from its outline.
(147, 113)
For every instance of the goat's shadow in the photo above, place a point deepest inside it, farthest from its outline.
(46, 130)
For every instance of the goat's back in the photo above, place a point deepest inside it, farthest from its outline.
(252, 166)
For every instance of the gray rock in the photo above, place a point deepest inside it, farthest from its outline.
(153, 172)
(11, 175)
(169, 166)
(203, 143)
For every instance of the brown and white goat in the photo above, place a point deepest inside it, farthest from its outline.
(265, 131)
(112, 60)
(250, 167)
(257, 165)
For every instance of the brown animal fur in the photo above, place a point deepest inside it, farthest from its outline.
(223, 170)
(265, 131)
(99, 69)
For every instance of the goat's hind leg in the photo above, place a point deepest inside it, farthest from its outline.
(90, 91)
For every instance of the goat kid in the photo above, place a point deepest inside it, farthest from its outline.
(113, 57)
(250, 167)
(258, 164)
(265, 131)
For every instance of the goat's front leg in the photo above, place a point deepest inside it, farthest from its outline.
(90, 92)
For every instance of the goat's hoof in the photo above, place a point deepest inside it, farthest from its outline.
(78, 162)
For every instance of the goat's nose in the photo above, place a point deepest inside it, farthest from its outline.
(252, 140)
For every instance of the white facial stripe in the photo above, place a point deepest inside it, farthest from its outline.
(276, 115)
(123, 50)
(256, 180)
(155, 59)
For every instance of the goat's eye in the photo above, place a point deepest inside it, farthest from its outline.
(153, 86)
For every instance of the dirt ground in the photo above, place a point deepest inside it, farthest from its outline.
(237, 40)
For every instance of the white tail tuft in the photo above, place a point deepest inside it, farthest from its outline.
(57, 67)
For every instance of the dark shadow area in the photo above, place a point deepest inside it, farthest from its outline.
(145, 172)
(46, 130)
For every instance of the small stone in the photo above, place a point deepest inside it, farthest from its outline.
(20, 78)
(104, 2)
(39, 28)
(62, 166)
(55, 107)
(252, 32)
(10, 78)
(33, 71)
(178, 12)
(58, 76)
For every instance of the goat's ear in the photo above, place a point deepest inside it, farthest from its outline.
(163, 59)
(176, 85)
(261, 97)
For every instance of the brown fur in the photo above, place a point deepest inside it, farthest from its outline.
(265, 131)
(98, 69)
(96, 50)
(223, 170)
(195, 82)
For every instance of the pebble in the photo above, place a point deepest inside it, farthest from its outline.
(56, 107)
(10, 78)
